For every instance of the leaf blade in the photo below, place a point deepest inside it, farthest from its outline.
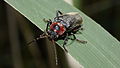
(102, 49)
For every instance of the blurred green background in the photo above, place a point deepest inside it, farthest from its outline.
(13, 26)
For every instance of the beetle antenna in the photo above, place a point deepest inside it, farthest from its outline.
(55, 52)
(33, 40)
(41, 36)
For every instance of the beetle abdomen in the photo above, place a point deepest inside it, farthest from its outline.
(72, 19)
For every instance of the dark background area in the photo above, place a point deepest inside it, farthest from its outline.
(15, 32)
(104, 12)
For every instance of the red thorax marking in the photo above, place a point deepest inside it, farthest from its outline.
(58, 28)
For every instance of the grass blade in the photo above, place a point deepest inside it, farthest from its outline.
(102, 49)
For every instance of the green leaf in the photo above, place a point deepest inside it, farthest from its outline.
(102, 49)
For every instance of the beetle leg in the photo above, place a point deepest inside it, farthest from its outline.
(65, 42)
(74, 37)
(81, 41)
(49, 22)
(79, 32)
(58, 13)
(82, 28)
(45, 20)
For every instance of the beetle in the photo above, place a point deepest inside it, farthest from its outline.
(62, 27)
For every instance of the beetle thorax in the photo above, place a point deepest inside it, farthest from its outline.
(58, 28)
